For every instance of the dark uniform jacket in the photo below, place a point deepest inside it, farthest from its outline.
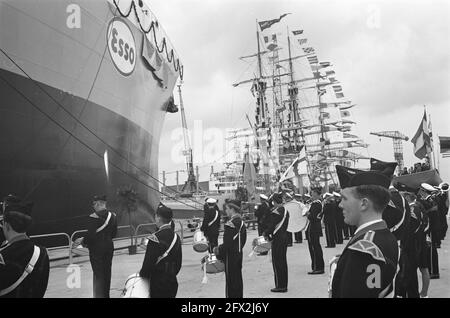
(314, 217)
(211, 221)
(99, 241)
(367, 265)
(329, 214)
(262, 215)
(14, 257)
(277, 224)
(233, 243)
(162, 272)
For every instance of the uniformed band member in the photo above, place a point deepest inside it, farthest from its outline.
(211, 223)
(163, 257)
(329, 219)
(367, 265)
(230, 251)
(102, 228)
(24, 267)
(313, 233)
(262, 214)
(287, 198)
(277, 234)
(339, 219)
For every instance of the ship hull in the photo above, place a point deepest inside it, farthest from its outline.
(65, 104)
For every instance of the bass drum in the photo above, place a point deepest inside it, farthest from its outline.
(297, 220)
(136, 287)
(213, 264)
(200, 243)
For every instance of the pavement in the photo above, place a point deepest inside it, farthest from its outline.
(76, 281)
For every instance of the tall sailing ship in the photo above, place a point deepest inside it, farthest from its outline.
(300, 109)
(85, 87)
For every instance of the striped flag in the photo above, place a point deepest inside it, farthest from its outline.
(297, 32)
(267, 24)
(313, 59)
(422, 140)
(297, 168)
(308, 50)
(302, 41)
(337, 88)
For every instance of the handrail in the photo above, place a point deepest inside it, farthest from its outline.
(69, 242)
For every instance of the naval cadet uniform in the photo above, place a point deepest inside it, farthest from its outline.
(329, 219)
(367, 265)
(277, 233)
(230, 252)
(102, 228)
(24, 269)
(162, 262)
(210, 226)
(313, 233)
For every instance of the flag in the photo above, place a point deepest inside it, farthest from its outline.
(297, 32)
(250, 177)
(345, 113)
(325, 64)
(266, 39)
(332, 79)
(422, 140)
(337, 88)
(308, 50)
(297, 168)
(349, 136)
(313, 59)
(445, 144)
(324, 142)
(267, 24)
(339, 95)
(328, 73)
(346, 121)
(302, 41)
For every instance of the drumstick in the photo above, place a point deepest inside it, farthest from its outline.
(205, 278)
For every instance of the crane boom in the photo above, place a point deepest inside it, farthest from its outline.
(391, 134)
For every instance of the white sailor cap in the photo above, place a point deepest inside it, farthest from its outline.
(211, 201)
(327, 194)
(263, 196)
(288, 195)
(336, 194)
(307, 195)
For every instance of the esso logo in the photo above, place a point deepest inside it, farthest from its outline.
(121, 46)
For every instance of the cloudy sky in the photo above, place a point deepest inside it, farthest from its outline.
(390, 56)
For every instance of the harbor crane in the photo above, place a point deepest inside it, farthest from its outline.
(397, 138)
(190, 186)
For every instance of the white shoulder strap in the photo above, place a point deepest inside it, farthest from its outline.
(168, 250)
(28, 269)
(281, 223)
(215, 218)
(104, 224)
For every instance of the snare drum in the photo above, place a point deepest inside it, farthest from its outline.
(200, 243)
(213, 264)
(136, 287)
(261, 245)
